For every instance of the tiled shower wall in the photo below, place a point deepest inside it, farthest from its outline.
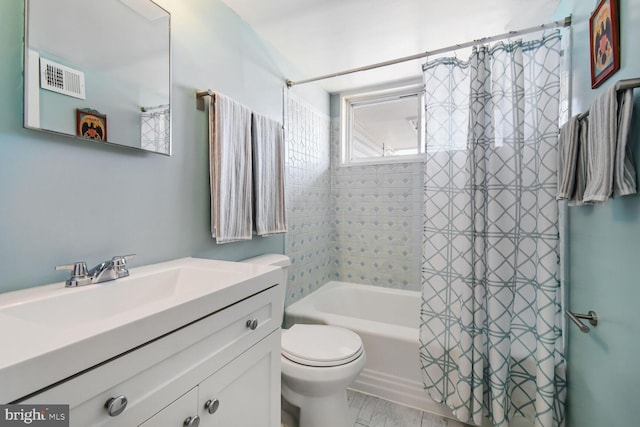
(378, 221)
(308, 198)
(357, 224)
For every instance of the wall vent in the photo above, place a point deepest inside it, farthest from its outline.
(61, 79)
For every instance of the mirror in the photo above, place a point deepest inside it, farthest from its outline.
(99, 70)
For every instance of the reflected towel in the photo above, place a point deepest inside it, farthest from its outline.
(610, 170)
(268, 175)
(230, 169)
(568, 142)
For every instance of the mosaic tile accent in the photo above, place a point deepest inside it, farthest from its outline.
(377, 215)
(308, 198)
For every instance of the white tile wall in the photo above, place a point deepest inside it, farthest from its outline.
(377, 216)
(308, 198)
(359, 224)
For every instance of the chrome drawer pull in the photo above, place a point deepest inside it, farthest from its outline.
(116, 405)
(192, 421)
(212, 405)
(252, 324)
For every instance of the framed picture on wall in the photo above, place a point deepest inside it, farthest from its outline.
(604, 42)
(90, 124)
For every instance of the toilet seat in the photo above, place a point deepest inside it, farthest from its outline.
(320, 345)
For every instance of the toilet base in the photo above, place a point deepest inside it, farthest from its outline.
(320, 411)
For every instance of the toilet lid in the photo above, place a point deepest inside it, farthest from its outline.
(320, 345)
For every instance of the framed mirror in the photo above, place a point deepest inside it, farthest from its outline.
(99, 70)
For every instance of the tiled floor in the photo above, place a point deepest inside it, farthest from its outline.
(369, 411)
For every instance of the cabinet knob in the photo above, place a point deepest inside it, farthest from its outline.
(212, 405)
(116, 405)
(252, 324)
(192, 421)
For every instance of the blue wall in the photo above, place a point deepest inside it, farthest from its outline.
(64, 201)
(604, 248)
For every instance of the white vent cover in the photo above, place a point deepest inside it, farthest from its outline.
(61, 79)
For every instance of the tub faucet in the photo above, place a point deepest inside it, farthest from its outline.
(112, 269)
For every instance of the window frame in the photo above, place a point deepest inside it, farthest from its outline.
(373, 96)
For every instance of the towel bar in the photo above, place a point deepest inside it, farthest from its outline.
(200, 94)
(592, 317)
(620, 85)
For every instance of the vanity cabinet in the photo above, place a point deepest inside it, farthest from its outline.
(230, 357)
(177, 413)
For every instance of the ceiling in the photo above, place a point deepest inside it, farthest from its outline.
(325, 36)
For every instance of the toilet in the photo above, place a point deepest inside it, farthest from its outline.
(318, 363)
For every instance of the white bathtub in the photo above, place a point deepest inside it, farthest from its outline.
(387, 320)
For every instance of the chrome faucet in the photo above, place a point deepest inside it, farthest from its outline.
(112, 269)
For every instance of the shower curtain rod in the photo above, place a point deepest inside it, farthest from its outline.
(566, 22)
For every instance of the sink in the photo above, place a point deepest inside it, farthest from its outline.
(109, 300)
(57, 332)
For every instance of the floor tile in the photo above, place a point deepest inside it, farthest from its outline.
(371, 411)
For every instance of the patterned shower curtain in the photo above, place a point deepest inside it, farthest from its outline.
(491, 336)
(155, 131)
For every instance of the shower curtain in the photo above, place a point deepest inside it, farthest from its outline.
(154, 129)
(490, 336)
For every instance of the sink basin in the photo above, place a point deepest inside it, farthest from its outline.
(57, 332)
(104, 301)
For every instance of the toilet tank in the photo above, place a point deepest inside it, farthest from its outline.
(277, 260)
(270, 259)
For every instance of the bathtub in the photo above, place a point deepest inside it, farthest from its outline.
(387, 321)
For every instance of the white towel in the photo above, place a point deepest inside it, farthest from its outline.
(609, 160)
(230, 169)
(568, 144)
(268, 175)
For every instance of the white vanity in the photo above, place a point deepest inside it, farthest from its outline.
(183, 343)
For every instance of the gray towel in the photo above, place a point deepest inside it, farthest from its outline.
(610, 169)
(601, 147)
(624, 177)
(268, 175)
(568, 141)
(581, 163)
(230, 169)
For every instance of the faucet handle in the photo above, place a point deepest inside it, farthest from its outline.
(119, 260)
(79, 274)
(120, 264)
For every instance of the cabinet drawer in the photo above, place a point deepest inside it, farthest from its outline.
(153, 375)
(176, 413)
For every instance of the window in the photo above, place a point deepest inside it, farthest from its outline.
(383, 126)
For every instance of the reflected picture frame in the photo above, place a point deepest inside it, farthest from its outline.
(90, 124)
(604, 42)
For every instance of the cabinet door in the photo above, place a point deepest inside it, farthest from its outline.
(176, 413)
(247, 390)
